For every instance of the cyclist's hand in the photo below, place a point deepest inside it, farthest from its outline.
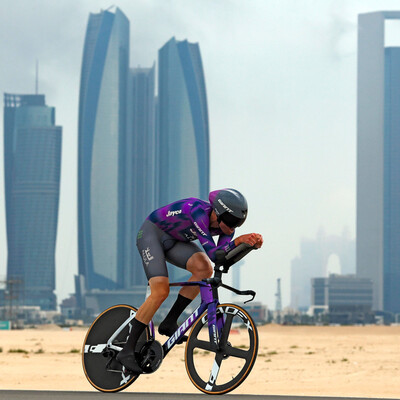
(253, 239)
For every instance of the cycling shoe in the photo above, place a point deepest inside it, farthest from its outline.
(166, 330)
(128, 360)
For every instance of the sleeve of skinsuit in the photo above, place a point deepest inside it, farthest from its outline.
(201, 222)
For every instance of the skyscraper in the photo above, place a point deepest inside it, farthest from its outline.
(102, 144)
(183, 123)
(378, 160)
(142, 162)
(32, 161)
(183, 126)
(126, 169)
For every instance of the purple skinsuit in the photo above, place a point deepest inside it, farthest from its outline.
(189, 219)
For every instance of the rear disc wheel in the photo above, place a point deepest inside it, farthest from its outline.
(101, 368)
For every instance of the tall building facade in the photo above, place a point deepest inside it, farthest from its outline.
(32, 162)
(142, 182)
(183, 123)
(184, 155)
(102, 144)
(378, 161)
(136, 153)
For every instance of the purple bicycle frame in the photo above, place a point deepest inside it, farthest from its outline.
(208, 302)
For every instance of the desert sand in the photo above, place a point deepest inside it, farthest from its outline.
(356, 361)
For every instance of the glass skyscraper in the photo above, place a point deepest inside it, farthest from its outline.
(136, 152)
(183, 123)
(142, 162)
(102, 144)
(184, 154)
(391, 254)
(32, 161)
(378, 161)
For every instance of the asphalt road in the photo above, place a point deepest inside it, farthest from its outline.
(60, 395)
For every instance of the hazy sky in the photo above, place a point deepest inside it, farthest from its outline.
(281, 88)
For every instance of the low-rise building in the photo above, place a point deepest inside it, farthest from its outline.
(346, 298)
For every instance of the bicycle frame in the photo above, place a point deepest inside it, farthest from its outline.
(209, 298)
(103, 341)
(209, 301)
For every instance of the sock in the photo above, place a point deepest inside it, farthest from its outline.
(137, 329)
(170, 324)
(127, 355)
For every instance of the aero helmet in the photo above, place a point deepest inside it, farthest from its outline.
(230, 206)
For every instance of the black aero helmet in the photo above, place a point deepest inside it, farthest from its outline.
(230, 206)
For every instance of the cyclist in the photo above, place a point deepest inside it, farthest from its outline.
(167, 235)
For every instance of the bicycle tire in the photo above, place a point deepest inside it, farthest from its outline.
(104, 372)
(213, 379)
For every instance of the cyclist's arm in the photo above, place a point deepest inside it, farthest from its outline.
(201, 225)
(226, 240)
(253, 239)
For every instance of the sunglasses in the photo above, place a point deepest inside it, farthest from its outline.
(230, 220)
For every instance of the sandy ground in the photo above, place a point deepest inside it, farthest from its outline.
(316, 361)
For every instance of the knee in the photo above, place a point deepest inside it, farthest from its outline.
(159, 291)
(201, 265)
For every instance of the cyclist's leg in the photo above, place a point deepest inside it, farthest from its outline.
(192, 258)
(150, 248)
(200, 266)
(159, 290)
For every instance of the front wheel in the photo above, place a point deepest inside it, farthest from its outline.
(222, 369)
(101, 368)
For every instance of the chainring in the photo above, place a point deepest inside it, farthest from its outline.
(151, 355)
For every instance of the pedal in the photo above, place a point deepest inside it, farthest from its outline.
(113, 365)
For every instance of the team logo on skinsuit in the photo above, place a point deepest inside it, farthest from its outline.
(140, 235)
(173, 213)
(190, 234)
(199, 229)
(146, 256)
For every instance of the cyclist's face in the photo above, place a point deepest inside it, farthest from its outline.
(226, 229)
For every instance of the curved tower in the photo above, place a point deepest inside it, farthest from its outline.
(183, 123)
(102, 135)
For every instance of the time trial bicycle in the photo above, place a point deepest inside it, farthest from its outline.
(218, 355)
